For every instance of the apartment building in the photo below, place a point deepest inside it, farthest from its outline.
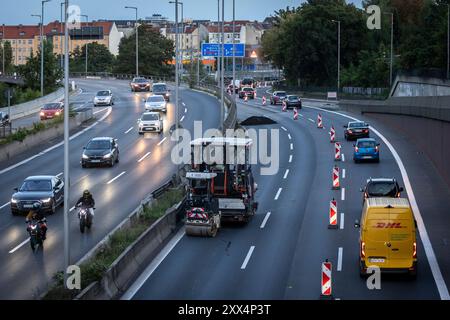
(25, 39)
(190, 38)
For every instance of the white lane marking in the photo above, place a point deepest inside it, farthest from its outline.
(128, 130)
(5, 205)
(289, 136)
(263, 224)
(145, 156)
(343, 194)
(182, 118)
(115, 178)
(130, 293)
(301, 115)
(292, 146)
(343, 173)
(185, 110)
(429, 252)
(101, 110)
(340, 254)
(161, 142)
(311, 120)
(56, 145)
(59, 174)
(342, 221)
(278, 193)
(184, 104)
(19, 246)
(71, 209)
(286, 174)
(290, 158)
(284, 128)
(343, 157)
(247, 258)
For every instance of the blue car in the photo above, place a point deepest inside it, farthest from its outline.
(366, 149)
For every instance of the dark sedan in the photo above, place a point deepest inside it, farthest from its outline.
(381, 187)
(162, 90)
(48, 190)
(356, 130)
(100, 151)
(293, 101)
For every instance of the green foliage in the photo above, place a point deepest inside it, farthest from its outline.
(31, 71)
(155, 52)
(9, 67)
(99, 58)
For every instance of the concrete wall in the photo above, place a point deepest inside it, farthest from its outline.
(408, 86)
(27, 108)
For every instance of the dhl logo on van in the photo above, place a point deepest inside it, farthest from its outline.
(387, 225)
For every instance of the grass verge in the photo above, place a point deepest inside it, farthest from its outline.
(94, 268)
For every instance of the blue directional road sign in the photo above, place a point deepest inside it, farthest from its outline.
(215, 50)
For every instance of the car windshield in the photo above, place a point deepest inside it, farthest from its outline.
(293, 98)
(98, 145)
(159, 88)
(103, 93)
(247, 89)
(356, 124)
(140, 80)
(149, 117)
(247, 81)
(51, 106)
(366, 144)
(281, 94)
(36, 185)
(155, 99)
(382, 189)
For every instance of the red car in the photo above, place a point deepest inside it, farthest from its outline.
(51, 110)
(248, 92)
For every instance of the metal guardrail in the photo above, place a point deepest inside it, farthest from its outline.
(160, 191)
(120, 76)
(5, 130)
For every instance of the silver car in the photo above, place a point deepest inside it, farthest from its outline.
(156, 103)
(104, 98)
(150, 122)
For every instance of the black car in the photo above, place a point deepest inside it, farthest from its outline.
(356, 130)
(100, 151)
(293, 101)
(140, 84)
(48, 190)
(248, 92)
(4, 119)
(381, 187)
(162, 90)
(248, 82)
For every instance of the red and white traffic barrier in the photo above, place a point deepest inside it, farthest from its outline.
(254, 94)
(337, 151)
(319, 121)
(326, 283)
(333, 215)
(336, 184)
(245, 98)
(284, 106)
(264, 101)
(295, 114)
(332, 134)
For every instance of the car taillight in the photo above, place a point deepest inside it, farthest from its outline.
(356, 149)
(377, 148)
(414, 250)
(349, 131)
(366, 130)
(363, 249)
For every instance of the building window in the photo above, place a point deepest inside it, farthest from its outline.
(14, 42)
(30, 41)
(22, 33)
(20, 58)
(20, 49)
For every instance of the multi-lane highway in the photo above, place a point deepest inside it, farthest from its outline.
(145, 164)
(278, 255)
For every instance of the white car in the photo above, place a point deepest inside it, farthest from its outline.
(104, 98)
(150, 122)
(156, 103)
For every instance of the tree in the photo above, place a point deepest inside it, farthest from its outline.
(31, 71)
(155, 53)
(8, 56)
(99, 58)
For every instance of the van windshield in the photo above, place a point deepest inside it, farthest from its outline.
(382, 189)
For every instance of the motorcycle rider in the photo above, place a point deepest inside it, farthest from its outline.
(87, 201)
(36, 215)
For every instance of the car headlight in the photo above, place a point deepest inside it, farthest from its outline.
(107, 156)
(57, 113)
(47, 200)
(42, 113)
(13, 200)
(85, 156)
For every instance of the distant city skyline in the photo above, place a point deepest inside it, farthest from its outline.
(114, 10)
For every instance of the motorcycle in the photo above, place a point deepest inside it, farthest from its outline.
(35, 231)
(85, 218)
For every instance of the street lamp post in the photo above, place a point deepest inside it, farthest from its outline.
(222, 86)
(339, 55)
(177, 58)
(3, 50)
(86, 62)
(392, 47)
(61, 35)
(42, 45)
(66, 143)
(234, 51)
(137, 39)
(448, 41)
(180, 66)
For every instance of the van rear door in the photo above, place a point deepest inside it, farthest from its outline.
(375, 237)
(401, 237)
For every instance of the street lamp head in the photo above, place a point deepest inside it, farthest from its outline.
(44, 1)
